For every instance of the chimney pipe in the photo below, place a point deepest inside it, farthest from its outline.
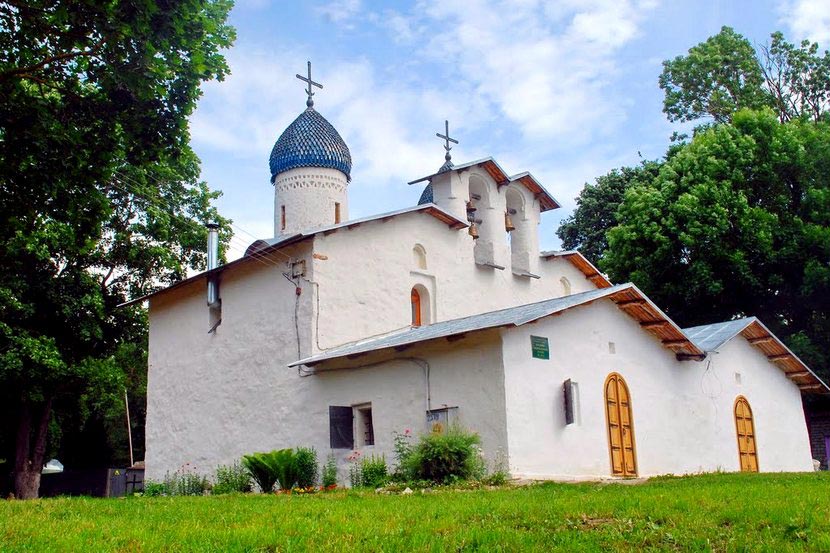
(213, 262)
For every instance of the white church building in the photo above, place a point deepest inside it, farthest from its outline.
(336, 333)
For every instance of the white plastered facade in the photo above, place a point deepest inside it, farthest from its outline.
(215, 396)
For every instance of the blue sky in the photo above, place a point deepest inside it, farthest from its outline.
(566, 90)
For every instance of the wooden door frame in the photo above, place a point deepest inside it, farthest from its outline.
(738, 434)
(620, 378)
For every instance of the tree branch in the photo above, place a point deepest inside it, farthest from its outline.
(5, 75)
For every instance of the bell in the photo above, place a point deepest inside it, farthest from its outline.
(471, 208)
(473, 230)
(508, 224)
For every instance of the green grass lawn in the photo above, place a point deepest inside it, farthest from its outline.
(772, 512)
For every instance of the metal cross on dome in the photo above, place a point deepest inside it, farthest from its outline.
(310, 101)
(447, 139)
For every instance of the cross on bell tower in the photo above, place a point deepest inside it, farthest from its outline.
(310, 101)
(447, 140)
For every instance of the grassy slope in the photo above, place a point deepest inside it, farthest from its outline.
(768, 512)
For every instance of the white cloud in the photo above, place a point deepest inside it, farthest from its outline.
(545, 65)
(808, 19)
(526, 81)
(341, 12)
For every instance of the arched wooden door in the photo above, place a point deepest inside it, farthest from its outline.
(620, 427)
(745, 427)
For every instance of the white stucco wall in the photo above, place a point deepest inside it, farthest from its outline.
(365, 275)
(466, 374)
(309, 195)
(213, 397)
(682, 411)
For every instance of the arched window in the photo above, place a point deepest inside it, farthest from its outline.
(419, 256)
(416, 307)
(566, 286)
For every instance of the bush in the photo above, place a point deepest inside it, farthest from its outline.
(330, 472)
(374, 473)
(307, 468)
(355, 470)
(186, 481)
(262, 468)
(232, 479)
(448, 457)
(267, 469)
(154, 489)
(402, 444)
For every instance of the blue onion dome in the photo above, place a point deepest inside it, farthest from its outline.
(426, 195)
(310, 141)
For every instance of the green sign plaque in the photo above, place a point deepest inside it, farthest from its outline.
(540, 347)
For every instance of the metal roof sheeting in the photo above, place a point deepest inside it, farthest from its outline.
(712, 337)
(261, 248)
(512, 316)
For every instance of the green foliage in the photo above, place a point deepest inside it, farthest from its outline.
(596, 206)
(500, 473)
(355, 471)
(402, 446)
(448, 457)
(725, 74)
(307, 467)
(154, 489)
(713, 512)
(330, 472)
(716, 78)
(231, 479)
(263, 469)
(797, 78)
(97, 96)
(374, 472)
(736, 223)
(268, 469)
(185, 481)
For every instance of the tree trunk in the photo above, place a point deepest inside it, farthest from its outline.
(30, 449)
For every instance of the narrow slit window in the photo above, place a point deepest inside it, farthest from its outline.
(416, 307)
(282, 217)
(336, 213)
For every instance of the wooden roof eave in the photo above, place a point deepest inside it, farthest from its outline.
(777, 352)
(640, 308)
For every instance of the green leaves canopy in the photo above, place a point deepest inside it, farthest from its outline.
(725, 74)
(736, 223)
(101, 199)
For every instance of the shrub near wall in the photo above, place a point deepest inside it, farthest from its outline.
(445, 458)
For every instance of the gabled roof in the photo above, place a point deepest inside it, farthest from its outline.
(581, 262)
(491, 166)
(430, 209)
(712, 337)
(627, 297)
(261, 248)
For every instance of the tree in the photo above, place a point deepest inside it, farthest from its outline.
(716, 78)
(596, 208)
(101, 198)
(797, 78)
(736, 223)
(725, 74)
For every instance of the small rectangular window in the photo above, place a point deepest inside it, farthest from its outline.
(341, 429)
(282, 217)
(365, 429)
(336, 212)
